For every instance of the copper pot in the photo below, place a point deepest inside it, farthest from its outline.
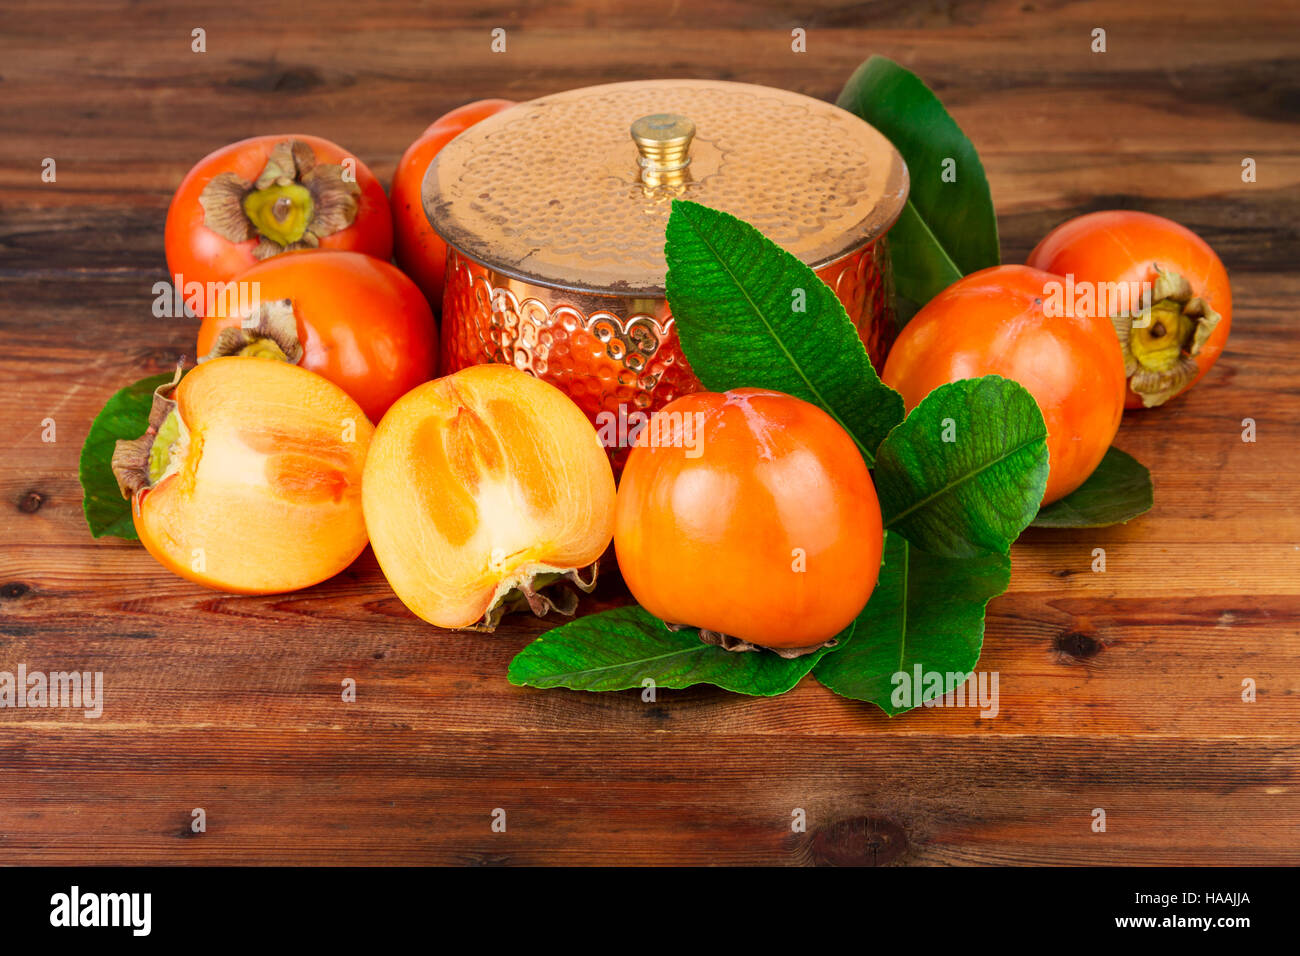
(554, 221)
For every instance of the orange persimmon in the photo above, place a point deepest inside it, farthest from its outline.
(1169, 344)
(993, 322)
(481, 491)
(750, 515)
(263, 196)
(349, 317)
(248, 478)
(419, 250)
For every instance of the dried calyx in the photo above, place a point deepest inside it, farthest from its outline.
(540, 589)
(269, 331)
(1161, 341)
(729, 643)
(293, 204)
(141, 463)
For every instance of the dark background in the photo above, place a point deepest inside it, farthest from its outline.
(1119, 690)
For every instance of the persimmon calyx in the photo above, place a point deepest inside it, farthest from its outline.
(1160, 342)
(269, 331)
(293, 204)
(730, 643)
(539, 588)
(140, 463)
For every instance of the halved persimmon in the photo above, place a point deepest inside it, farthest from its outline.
(248, 478)
(484, 492)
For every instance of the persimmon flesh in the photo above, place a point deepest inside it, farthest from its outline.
(483, 488)
(251, 479)
(751, 515)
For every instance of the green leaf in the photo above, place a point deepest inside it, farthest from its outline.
(125, 415)
(948, 228)
(920, 276)
(619, 649)
(733, 294)
(965, 473)
(1120, 489)
(926, 612)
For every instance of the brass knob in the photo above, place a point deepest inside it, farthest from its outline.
(664, 142)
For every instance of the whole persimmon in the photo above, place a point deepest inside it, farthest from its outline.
(751, 515)
(248, 478)
(357, 321)
(257, 198)
(484, 492)
(419, 250)
(993, 322)
(1170, 342)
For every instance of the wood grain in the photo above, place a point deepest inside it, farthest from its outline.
(1118, 690)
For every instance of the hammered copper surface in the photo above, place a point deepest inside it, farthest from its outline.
(611, 353)
(551, 192)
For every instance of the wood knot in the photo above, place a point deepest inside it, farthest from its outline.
(12, 590)
(31, 502)
(1075, 645)
(859, 841)
(273, 78)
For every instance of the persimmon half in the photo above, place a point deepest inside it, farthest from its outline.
(357, 321)
(485, 492)
(248, 478)
(1170, 341)
(266, 195)
(750, 515)
(993, 322)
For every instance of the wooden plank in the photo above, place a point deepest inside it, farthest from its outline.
(343, 796)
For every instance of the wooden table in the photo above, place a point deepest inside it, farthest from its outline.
(1120, 690)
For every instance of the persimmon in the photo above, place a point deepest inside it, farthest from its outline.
(349, 317)
(484, 492)
(257, 198)
(1169, 342)
(993, 322)
(419, 250)
(248, 478)
(750, 515)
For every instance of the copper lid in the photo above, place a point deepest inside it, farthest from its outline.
(573, 190)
